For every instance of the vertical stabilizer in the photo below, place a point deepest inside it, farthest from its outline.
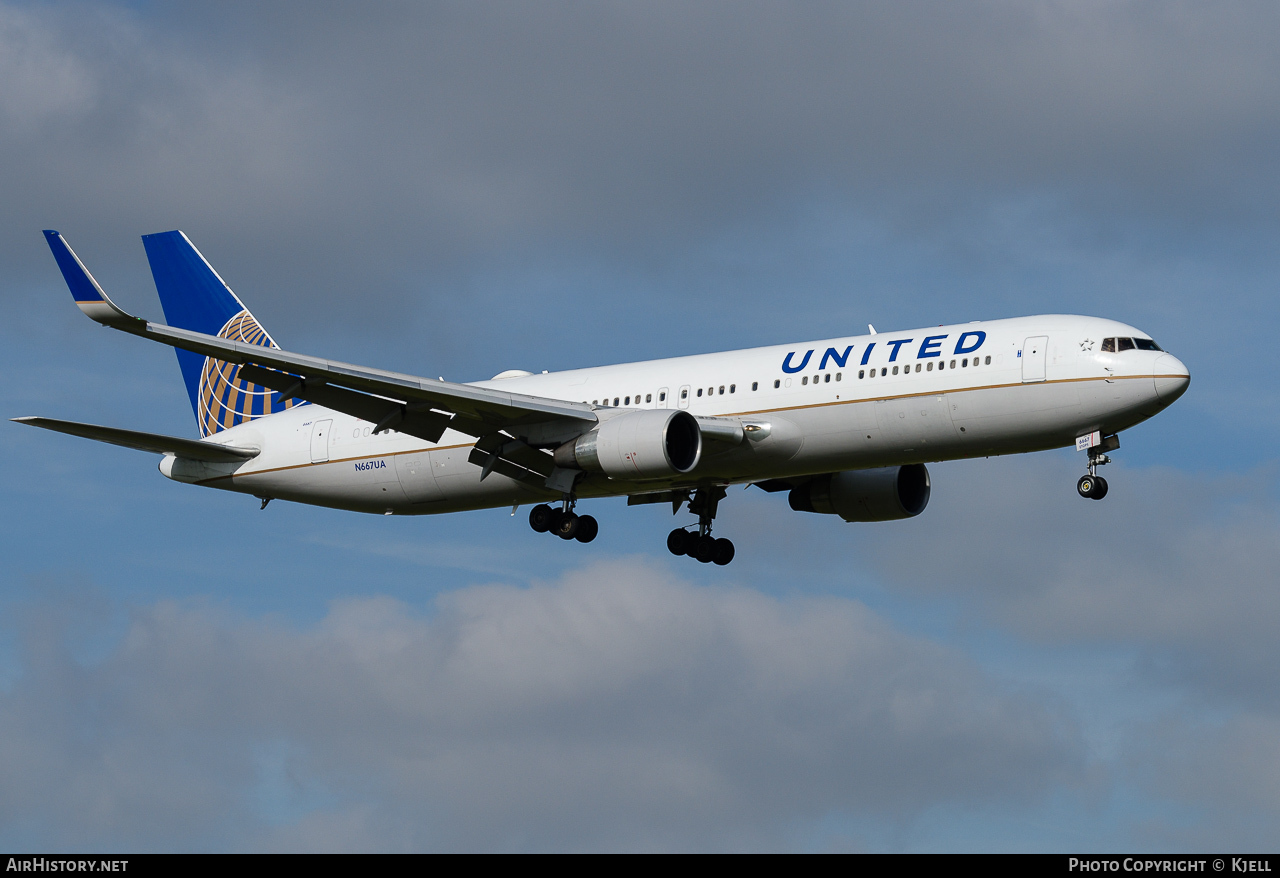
(195, 297)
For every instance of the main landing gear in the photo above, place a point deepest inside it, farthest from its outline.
(700, 544)
(564, 522)
(1094, 486)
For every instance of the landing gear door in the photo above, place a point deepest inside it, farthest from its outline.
(320, 441)
(416, 477)
(1034, 352)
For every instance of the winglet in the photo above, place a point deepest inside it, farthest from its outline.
(88, 295)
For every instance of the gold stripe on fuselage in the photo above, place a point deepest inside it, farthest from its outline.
(393, 454)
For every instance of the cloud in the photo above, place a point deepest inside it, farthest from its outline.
(615, 708)
(1224, 772)
(428, 137)
(1181, 565)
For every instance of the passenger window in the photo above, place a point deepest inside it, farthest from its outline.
(953, 364)
(929, 368)
(987, 362)
(895, 370)
(804, 380)
(699, 391)
(1124, 344)
(755, 385)
(722, 390)
(884, 370)
(917, 367)
(662, 397)
(733, 388)
(860, 373)
(615, 402)
(595, 402)
(776, 384)
(684, 394)
(627, 401)
(1108, 345)
(838, 374)
(964, 362)
(648, 397)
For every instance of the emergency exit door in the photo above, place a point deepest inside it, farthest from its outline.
(1034, 351)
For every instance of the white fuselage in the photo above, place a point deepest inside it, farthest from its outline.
(967, 390)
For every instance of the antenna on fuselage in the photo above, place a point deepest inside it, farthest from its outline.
(872, 328)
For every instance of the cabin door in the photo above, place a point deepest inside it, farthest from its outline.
(1034, 351)
(320, 441)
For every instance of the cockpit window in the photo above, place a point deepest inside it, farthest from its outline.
(1146, 344)
(1108, 345)
(1124, 344)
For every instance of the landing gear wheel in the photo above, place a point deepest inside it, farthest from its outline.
(1087, 487)
(588, 527)
(678, 542)
(723, 552)
(705, 549)
(567, 526)
(540, 518)
(1100, 488)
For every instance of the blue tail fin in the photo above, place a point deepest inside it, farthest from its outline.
(194, 297)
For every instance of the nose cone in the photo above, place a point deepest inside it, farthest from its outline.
(1171, 378)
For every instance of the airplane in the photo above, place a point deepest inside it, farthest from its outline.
(845, 426)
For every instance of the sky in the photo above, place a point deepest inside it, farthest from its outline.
(460, 189)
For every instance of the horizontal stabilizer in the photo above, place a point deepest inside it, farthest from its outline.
(153, 442)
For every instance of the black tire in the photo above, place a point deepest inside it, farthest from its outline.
(553, 521)
(588, 527)
(1100, 489)
(705, 550)
(567, 526)
(678, 541)
(540, 518)
(1087, 486)
(724, 552)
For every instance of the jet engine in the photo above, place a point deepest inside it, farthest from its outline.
(883, 494)
(653, 444)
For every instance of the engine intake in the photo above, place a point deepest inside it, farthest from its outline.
(883, 494)
(653, 444)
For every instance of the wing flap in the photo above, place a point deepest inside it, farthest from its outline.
(385, 414)
(479, 403)
(154, 442)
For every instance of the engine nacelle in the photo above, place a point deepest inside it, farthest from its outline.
(883, 494)
(653, 444)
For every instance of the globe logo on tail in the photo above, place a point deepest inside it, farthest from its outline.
(226, 399)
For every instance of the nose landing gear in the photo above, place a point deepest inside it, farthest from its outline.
(1094, 486)
(700, 544)
(564, 522)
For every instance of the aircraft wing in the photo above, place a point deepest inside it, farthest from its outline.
(421, 407)
(191, 449)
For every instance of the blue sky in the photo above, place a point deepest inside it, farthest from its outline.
(461, 189)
